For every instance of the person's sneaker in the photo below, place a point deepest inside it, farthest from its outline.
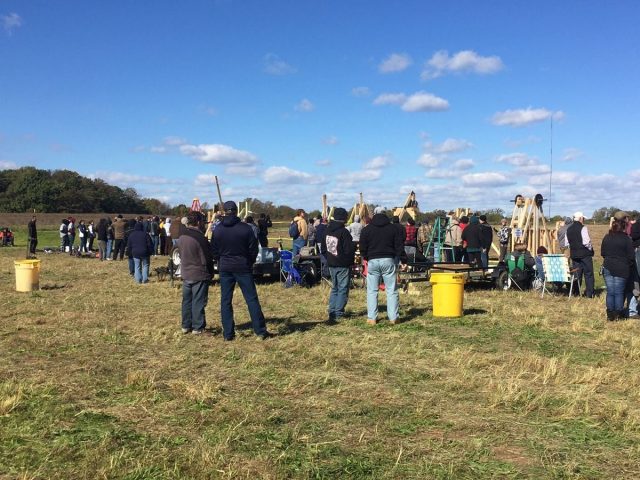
(371, 321)
(394, 322)
(332, 321)
(228, 339)
(186, 330)
(264, 336)
(197, 332)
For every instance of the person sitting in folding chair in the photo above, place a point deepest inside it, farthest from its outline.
(520, 265)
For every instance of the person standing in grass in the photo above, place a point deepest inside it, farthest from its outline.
(140, 248)
(101, 231)
(235, 248)
(618, 253)
(118, 237)
(581, 252)
(381, 243)
(340, 255)
(196, 266)
(33, 237)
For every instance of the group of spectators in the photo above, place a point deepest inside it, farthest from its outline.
(112, 235)
(469, 238)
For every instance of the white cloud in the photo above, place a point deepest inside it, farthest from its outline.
(219, 154)
(7, 165)
(206, 179)
(429, 160)
(285, 176)
(562, 178)
(10, 22)
(274, 65)
(174, 141)
(454, 170)
(487, 179)
(463, 164)
(417, 102)
(452, 145)
(325, 162)
(517, 159)
(539, 169)
(305, 105)
(242, 170)
(161, 149)
(390, 99)
(466, 61)
(130, 178)
(571, 154)
(376, 163)
(396, 62)
(425, 102)
(524, 116)
(332, 140)
(361, 91)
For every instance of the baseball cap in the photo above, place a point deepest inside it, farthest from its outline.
(378, 210)
(620, 215)
(578, 215)
(230, 206)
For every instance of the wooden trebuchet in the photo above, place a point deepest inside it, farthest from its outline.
(529, 225)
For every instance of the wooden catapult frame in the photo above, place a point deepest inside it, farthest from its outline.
(410, 207)
(528, 218)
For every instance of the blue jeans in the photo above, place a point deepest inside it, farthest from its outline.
(484, 257)
(155, 240)
(384, 268)
(132, 266)
(109, 245)
(298, 243)
(228, 282)
(141, 269)
(615, 291)
(339, 291)
(195, 296)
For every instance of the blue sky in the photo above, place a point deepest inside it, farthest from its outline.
(286, 100)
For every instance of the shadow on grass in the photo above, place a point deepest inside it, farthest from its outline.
(54, 286)
(285, 325)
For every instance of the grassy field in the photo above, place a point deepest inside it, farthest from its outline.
(96, 381)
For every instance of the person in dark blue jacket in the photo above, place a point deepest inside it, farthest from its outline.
(235, 248)
(140, 247)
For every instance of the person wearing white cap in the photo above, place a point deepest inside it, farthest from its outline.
(381, 245)
(581, 252)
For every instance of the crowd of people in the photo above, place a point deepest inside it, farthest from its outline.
(383, 243)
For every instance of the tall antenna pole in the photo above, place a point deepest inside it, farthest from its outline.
(550, 168)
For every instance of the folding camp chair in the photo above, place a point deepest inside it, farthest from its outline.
(556, 270)
(288, 273)
(519, 275)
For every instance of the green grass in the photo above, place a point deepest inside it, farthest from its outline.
(96, 381)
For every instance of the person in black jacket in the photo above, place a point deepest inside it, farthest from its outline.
(33, 238)
(102, 234)
(340, 255)
(140, 247)
(235, 248)
(633, 290)
(264, 224)
(382, 246)
(581, 252)
(486, 239)
(618, 254)
(472, 240)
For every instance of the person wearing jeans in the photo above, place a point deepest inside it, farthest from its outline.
(235, 248)
(196, 266)
(340, 251)
(381, 243)
(139, 247)
(617, 251)
(303, 232)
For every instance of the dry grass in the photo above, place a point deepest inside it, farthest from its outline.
(96, 381)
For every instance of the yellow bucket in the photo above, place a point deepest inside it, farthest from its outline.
(27, 275)
(448, 294)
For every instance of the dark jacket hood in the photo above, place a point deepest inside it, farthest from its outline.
(334, 225)
(380, 220)
(138, 227)
(230, 220)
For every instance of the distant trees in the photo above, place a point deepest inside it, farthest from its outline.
(28, 188)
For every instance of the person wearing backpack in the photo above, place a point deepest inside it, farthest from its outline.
(298, 231)
(520, 264)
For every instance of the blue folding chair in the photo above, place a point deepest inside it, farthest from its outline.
(288, 273)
